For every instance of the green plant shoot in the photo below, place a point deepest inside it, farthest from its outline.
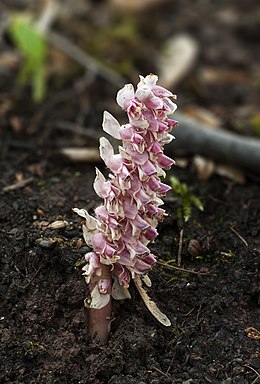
(33, 47)
(186, 199)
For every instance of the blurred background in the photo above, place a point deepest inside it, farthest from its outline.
(62, 62)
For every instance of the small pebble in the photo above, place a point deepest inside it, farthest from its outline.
(45, 243)
(194, 247)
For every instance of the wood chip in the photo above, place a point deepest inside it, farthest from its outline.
(89, 155)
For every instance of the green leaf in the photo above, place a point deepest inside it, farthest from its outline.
(175, 184)
(186, 210)
(196, 201)
(26, 37)
(33, 47)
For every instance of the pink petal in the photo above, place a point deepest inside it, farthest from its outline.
(104, 286)
(150, 233)
(143, 197)
(126, 132)
(151, 209)
(153, 122)
(130, 209)
(156, 148)
(154, 183)
(148, 168)
(164, 188)
(165, 161)
(162, 127)
(161, 92)
(154, 103)
(139, 223)
(139, 248)
(99, 242)
(109, 251)
(171, 123)
(122, 274)
(143, 93)
(101, 213)
(138, 158)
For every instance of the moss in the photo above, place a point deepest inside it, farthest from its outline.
(255, 124)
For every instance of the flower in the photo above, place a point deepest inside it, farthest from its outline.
(126, 222)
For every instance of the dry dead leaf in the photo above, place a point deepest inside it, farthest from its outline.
(177, 59)
(253, 333)
(231, 173)
(82, 154)
(135, 6)
(204, 168)
(204, 115)
(155, 311)
(58, 224)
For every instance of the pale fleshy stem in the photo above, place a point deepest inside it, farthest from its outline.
(99, 319)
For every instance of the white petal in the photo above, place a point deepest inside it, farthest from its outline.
(98, 300)
(106, 150)
(87, 235)
(111, 125)
(125, 95)
(91, 222)
(119, 292)
(149, 80)
(101, 186)
(144, 93)
(170, 104)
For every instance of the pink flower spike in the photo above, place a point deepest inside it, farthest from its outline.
(126, 221)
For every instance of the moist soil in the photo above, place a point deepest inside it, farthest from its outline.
(211, 298)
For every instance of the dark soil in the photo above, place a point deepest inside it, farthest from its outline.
(212, 302)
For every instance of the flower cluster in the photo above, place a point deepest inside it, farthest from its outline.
(126, 222)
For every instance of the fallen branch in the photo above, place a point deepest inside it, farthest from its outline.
(17, 185)
(83, 58)
(217, 144)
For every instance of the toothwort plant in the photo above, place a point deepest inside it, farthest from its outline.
(126, 222)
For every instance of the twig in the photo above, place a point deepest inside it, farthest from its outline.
(83, 58)
(166, 265)
(91, 133)
(180, 248)
(258, 375)
(161, 372)
(218, 144)
(19, 184)
(31, 280)
(238, 235)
